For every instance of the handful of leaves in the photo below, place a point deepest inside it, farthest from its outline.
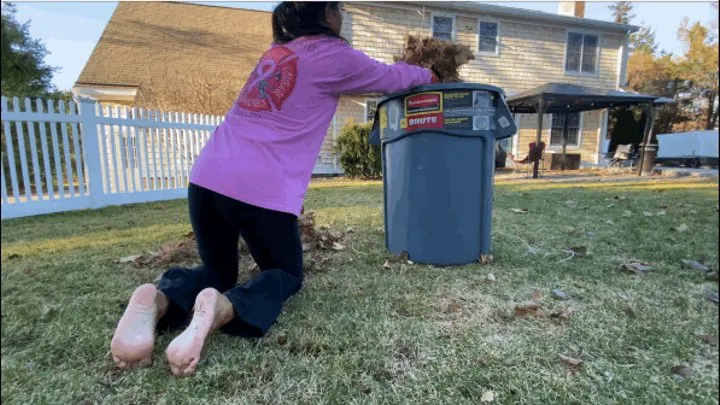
(442, 57)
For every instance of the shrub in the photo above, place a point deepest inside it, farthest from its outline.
(357, 157)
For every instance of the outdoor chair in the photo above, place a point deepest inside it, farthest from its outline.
(526, 162)
(623, 153)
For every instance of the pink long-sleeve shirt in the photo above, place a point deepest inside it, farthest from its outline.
(264, 152)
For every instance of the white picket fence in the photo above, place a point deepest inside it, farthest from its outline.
(91, 155)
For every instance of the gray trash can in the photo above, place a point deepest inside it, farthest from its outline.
(438, 157)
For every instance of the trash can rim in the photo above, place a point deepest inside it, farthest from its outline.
(442, 86)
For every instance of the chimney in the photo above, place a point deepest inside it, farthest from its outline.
(572, 8)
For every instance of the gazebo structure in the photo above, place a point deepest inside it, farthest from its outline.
(562, 98)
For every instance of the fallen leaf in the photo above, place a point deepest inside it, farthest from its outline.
(682, 372)
(519, 211)
(486, 259)
(27, 271)
(693, 212)
(624, 296)
(189, 234)
(610, 222)
(712, 276)
(713, 297)
(609, 375)
(662, 213)
(571, 203)
(127, 259)
(487, 396)
(648, 214)
(528, 308)
(681, 228)
(350, 230)
(490, 278)
(410, 262)
(578, 251)
(572, 363)
(629, 311)
(591, 234)
(709, 339)
(387, 265)
(536, 295)
(14, 256)
(636, 268)
(620, 197)
(627, 214)
(453, 308)
(563, 315)
(694, 264)
(560, 294)
(609, 205)
(664, 207)
(661, 190)
(337, 246)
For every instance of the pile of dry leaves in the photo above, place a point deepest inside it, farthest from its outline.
(318, 245)
(444, 57)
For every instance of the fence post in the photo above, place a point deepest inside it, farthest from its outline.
(91, 150)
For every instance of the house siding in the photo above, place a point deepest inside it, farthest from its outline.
(530, 54)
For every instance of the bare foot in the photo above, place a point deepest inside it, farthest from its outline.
(132, 345)
(212, 310)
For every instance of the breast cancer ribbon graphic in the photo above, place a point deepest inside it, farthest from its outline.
(272, 81)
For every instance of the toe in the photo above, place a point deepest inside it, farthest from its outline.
(190, 369)
(175, 371)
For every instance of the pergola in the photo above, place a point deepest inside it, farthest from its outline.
(563, 98)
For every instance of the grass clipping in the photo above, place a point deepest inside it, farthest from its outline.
(319, 243)
(444, 57)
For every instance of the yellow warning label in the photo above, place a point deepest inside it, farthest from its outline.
(383, 118)
(403, 123)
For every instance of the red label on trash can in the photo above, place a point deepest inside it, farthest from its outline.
(425, 121)
(422, 103)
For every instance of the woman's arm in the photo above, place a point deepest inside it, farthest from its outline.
(354, 72)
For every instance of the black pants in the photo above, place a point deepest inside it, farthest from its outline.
(273, 239)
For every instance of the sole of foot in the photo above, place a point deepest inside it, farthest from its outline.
(132, 344)
(211, 311)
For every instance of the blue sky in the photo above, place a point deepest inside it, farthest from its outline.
(70, 30)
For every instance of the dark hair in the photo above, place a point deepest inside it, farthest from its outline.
(292, 20)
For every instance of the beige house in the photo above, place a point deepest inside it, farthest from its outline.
(515, 49)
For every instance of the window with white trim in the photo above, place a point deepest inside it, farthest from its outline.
(573, 137)
(488, 36)
(443, 27)
(370, 109)
(581, 53)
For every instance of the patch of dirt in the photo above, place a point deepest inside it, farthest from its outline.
(319, 245)
(443, 57)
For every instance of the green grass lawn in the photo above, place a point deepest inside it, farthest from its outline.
(413, 334)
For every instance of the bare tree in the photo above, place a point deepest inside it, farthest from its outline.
(193, 90)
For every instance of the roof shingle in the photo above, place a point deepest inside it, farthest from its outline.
(147, 43)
